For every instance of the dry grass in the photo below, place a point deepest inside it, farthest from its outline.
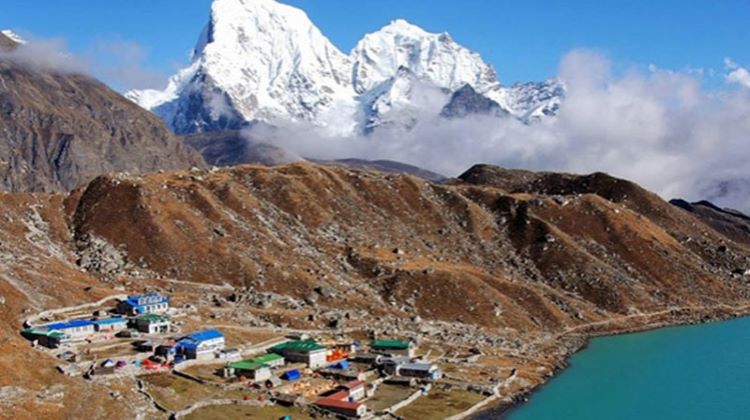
(439, 404)
(387, 395)
(176, 393)
(232, 412)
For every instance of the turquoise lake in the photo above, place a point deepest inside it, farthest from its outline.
(694, 372)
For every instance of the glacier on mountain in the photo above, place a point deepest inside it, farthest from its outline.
(264, 61)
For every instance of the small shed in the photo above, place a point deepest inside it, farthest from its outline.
(273, 382)
(291, 375)
(341, 365)
(357, 390)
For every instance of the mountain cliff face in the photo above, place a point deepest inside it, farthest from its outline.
(263, 61)
(59, 130)
(466, 101)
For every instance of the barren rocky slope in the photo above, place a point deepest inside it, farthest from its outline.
(60, 130)
(524, 263)
(578, 247)
(730, 223)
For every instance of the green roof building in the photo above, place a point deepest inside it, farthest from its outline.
(152, 323)
(271, 360)
(47, 338)
(246, 365)
(299, 346)
(248, 369)
(303, 351)
(394, 347)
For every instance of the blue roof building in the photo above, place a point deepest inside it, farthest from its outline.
(202, 345)
(75, 328)
(152, 303)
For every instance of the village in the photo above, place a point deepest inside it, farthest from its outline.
(275, 373)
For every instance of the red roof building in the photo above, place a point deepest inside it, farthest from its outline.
(339, 403)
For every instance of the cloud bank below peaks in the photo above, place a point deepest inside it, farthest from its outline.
(660, 128)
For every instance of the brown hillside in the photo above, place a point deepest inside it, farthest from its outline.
(526, 262)
(293, 228)
(61, 130)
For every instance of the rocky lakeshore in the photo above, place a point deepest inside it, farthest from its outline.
(573, 343)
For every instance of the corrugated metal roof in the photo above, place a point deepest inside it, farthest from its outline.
(391, 344)
(246, 365)
(299, 346)
(418, 366)
(267, 358)
(337, 403)
(157, 298)
(110, 321)
(206, 335)
(48, 333)
(69, 324)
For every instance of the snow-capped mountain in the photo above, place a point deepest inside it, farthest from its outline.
(400, 101)
(255, 60)
(263, 61)
(435, 58)
(13, 36)
(530, 101)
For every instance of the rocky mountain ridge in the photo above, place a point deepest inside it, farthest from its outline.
(61, 129)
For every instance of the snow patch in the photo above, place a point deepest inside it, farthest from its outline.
(13, 36)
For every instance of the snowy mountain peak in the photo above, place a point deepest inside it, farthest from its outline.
(402, 27)
(264, 61)
(433, 57)
(258, 60)
(13, 36)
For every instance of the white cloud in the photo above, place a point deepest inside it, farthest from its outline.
(117, 62)
(46, 54)
(738, 74)
(660, 128)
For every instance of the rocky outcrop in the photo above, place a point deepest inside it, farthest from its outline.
(61, 130)
(467, 101)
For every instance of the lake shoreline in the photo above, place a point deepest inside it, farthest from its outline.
(678, 317)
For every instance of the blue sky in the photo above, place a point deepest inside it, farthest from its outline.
(524, 40)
